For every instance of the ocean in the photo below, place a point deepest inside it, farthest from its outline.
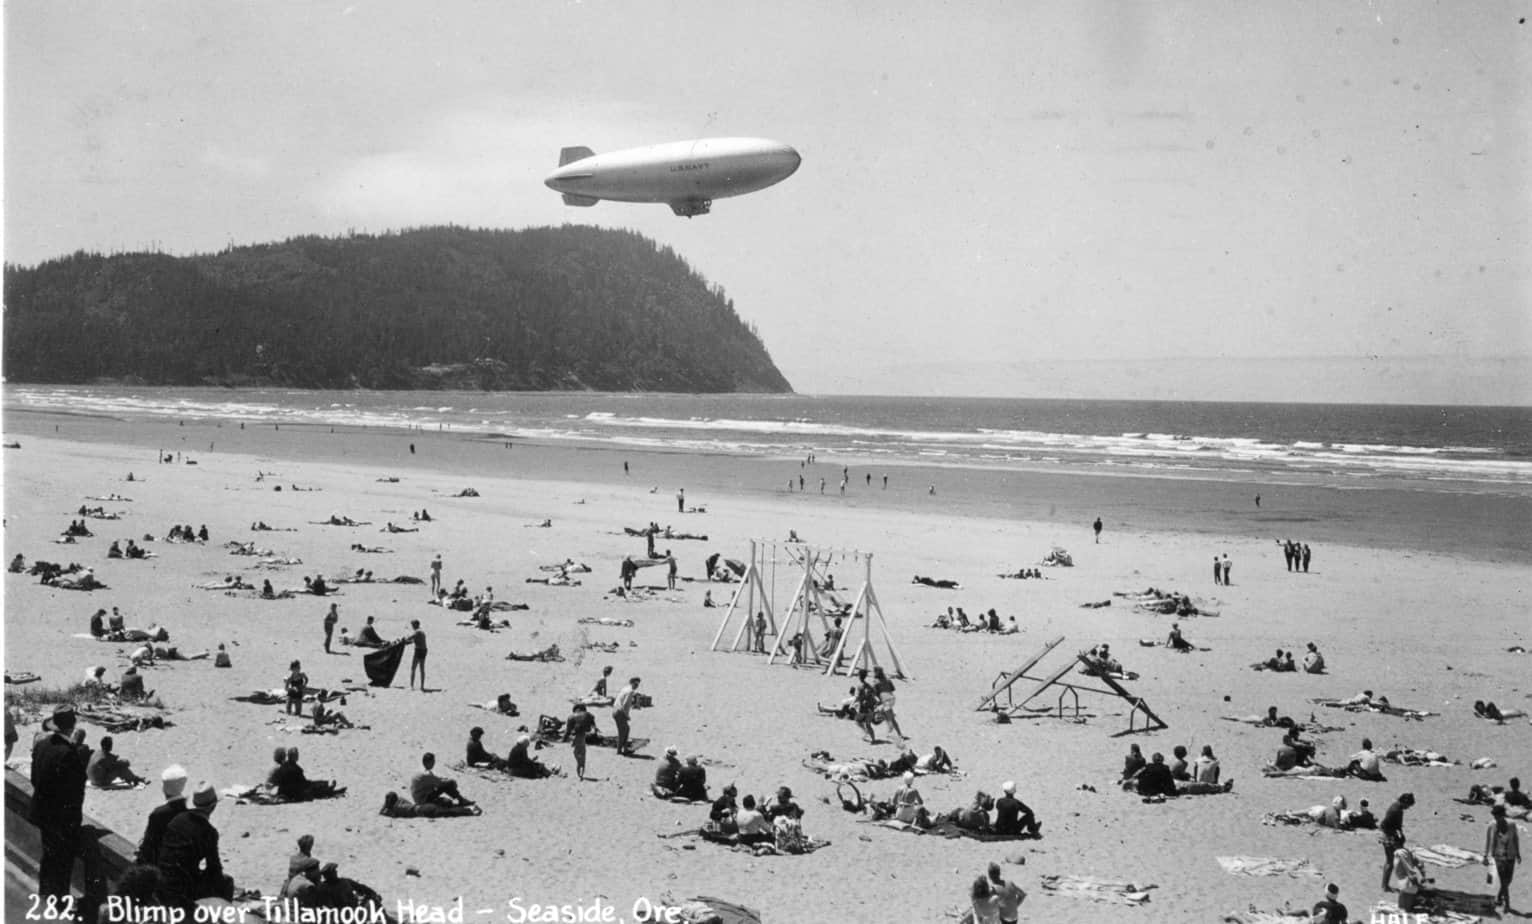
(1434, 449)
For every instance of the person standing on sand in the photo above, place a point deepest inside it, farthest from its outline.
(577, 729)
(625, 466)
(1392, 828)
(58, 803)
(670, 577)
(760, 632)
(681, 500)
(436, 575)
(418, 662)
(1502, 844)
(620, 712)
(1227, 567)
(821, 485)
(1304, 555)
(1097, 527)
(1217, 570)
(330, 619)
(1009, 894)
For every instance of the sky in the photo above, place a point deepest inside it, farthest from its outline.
(1322, 201)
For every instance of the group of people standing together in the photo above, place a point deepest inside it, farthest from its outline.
(1297, 555)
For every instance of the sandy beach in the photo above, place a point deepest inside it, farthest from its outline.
(1402, 599)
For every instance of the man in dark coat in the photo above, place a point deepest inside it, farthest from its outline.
(173, 781)
(190, 868)
(58, 801)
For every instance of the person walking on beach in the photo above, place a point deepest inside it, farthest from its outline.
(577, 729)
(1502, 845)
(1097, 527)
(681, 500)
(1258, 500)
(418, 662)
(1392, 829)
(1217, 570)
(1287, 553)
(436, 575)
(621, 709)
(1305, 555)
(821, 485)
(330, 619)
(1227, 567)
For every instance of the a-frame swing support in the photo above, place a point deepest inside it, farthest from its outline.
(864, 628)
(1055, 679)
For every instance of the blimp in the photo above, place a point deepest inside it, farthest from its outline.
(686, 175)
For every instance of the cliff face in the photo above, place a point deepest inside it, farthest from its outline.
(541, 308)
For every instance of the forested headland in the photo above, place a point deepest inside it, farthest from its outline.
(536, 309)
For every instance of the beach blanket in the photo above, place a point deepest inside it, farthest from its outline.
(605, 621)
(705, 910)
(948, 830)
(591, 699)
(1293, 867)
(21, 677)
(1114, 891)
(1255, 916)
(1388, 911)
(1447, 855)
(806, 846)
(1313, 772)
(260, 795)
(381, 665)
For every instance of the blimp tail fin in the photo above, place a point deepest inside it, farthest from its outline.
(582, 201)
(570, 155)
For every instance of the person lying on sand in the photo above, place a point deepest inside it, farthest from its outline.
(606, 621)
(943, 583)
(396, 806)
(1488, 710)
(368, 549)
(316, 585)
(391, 528)
(974, 816)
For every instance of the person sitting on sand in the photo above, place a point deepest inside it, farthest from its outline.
(691, 780)
(369, 637)
(478, 755)
(1012, 816)
(520, 762)
(1273, 663)
(1176, 640)
(428, 788)
(752, 826)
(1364, 763)
(1293, 752)
(1206, 769)
(135, 551)
(784, 807)
(667, 775)
(974, 816)
(132, 686)
(938, 761)
(1154, 779)
(1133, 763)
(267, 591)
(324, 717)
(18, 564)
(1409, 876)
(1275, 721)
(293, 785)
(1180, 771)
(907, 802)
(114, 550)
(1314, 662)
(724, 809)
(1514, 796)
(95, 678)
(943, 620)
(105, 769)
(1329, 910)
